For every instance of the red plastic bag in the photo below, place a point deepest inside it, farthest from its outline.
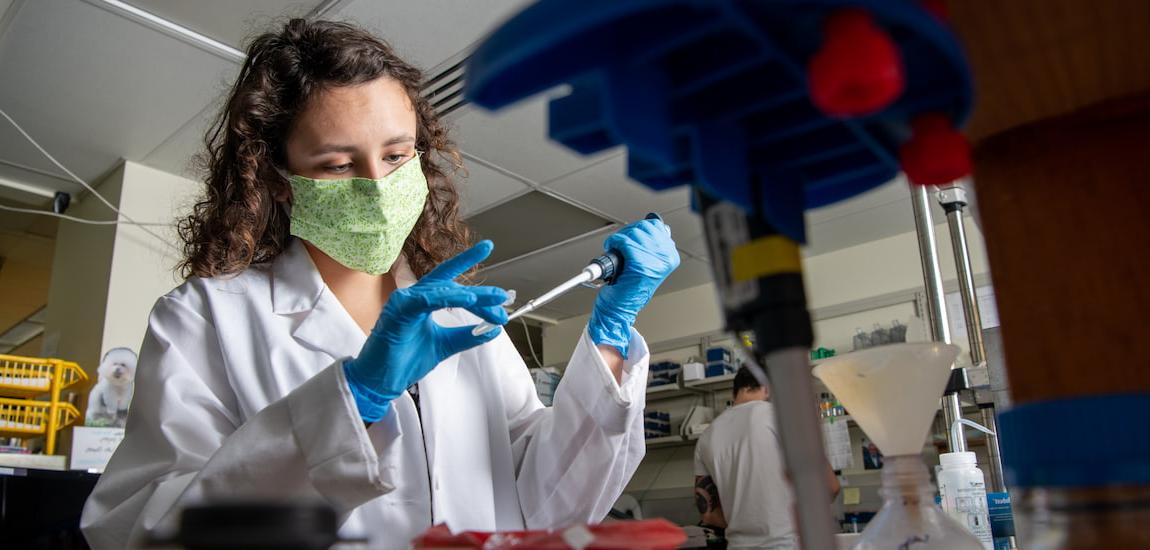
(652, 534)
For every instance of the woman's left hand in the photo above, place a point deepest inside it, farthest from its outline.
(649, 256)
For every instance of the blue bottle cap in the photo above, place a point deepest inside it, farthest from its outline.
(1077, 442)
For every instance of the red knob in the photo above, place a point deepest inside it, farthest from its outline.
(858, 70)
(936, 153)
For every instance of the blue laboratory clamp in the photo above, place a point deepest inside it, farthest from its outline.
(766, 108)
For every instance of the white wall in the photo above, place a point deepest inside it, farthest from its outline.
(879, 268)
(105, 279)
(78, 292)
(143, 267)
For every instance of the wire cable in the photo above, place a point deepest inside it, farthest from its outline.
(82, 183)
(78, 220)
(527, 334)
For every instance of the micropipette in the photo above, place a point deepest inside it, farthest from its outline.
(600, 271)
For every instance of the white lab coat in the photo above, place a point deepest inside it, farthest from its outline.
(240, 394)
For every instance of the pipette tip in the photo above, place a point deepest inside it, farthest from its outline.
(485, 327)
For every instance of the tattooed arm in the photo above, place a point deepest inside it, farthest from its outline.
(707, 501)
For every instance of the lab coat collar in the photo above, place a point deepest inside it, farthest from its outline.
(322, 323)
(297, 286)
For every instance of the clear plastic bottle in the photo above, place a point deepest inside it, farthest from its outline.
(880, 336)
(897, 332)
(1081, 518)
(909, 518)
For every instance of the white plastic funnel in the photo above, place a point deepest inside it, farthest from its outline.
(891, 391)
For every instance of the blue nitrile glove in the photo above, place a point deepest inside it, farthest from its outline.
(649, 256)
(406, 344)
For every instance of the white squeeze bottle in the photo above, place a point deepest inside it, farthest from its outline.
(963, 489)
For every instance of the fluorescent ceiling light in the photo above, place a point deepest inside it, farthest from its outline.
(181, 32)
(20, 333)
(23, 332)
(33, 189)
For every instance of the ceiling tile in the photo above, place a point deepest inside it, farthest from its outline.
(176, 154)
(890, 192)
(685, 224)
(229, 21)
(99, 87)
(428, 32)
(516, 138)
(605, 186)
(483, 187)
(690, 273)
(534, 275)
(531, 222)
(860, 227)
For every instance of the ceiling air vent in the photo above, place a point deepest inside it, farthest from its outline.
(444, 89)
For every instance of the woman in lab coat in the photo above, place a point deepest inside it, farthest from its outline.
(321, 346)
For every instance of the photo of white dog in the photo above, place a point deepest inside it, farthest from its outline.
(109, 400)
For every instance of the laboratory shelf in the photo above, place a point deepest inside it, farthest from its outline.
(666, 391)
(712, 383)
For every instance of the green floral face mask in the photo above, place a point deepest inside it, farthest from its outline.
(361, 223)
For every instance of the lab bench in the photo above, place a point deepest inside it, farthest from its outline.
(40, 508)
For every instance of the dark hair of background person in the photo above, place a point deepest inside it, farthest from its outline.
(238, 221)
(744, 380)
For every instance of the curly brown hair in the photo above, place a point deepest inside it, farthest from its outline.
(239, 222)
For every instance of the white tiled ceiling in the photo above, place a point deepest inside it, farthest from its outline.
(483, 187)
(535, 274)
(516, 138)
(607, 179)
(687, 230)
(176, 153)
(229, 21)
(94, 87)
(427, 32)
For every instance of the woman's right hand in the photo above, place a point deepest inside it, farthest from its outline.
(406, 343)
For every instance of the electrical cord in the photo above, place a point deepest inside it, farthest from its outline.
(527, 334)
(143, 226)
(75, 219)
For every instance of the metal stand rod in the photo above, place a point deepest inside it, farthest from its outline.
(953, 200)
(935, 299)
(997, 481)
(802, 444)
(928, 254)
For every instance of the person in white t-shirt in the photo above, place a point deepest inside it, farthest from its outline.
(741, 484)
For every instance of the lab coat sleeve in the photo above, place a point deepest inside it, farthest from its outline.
(185, 441)
(575, 457)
